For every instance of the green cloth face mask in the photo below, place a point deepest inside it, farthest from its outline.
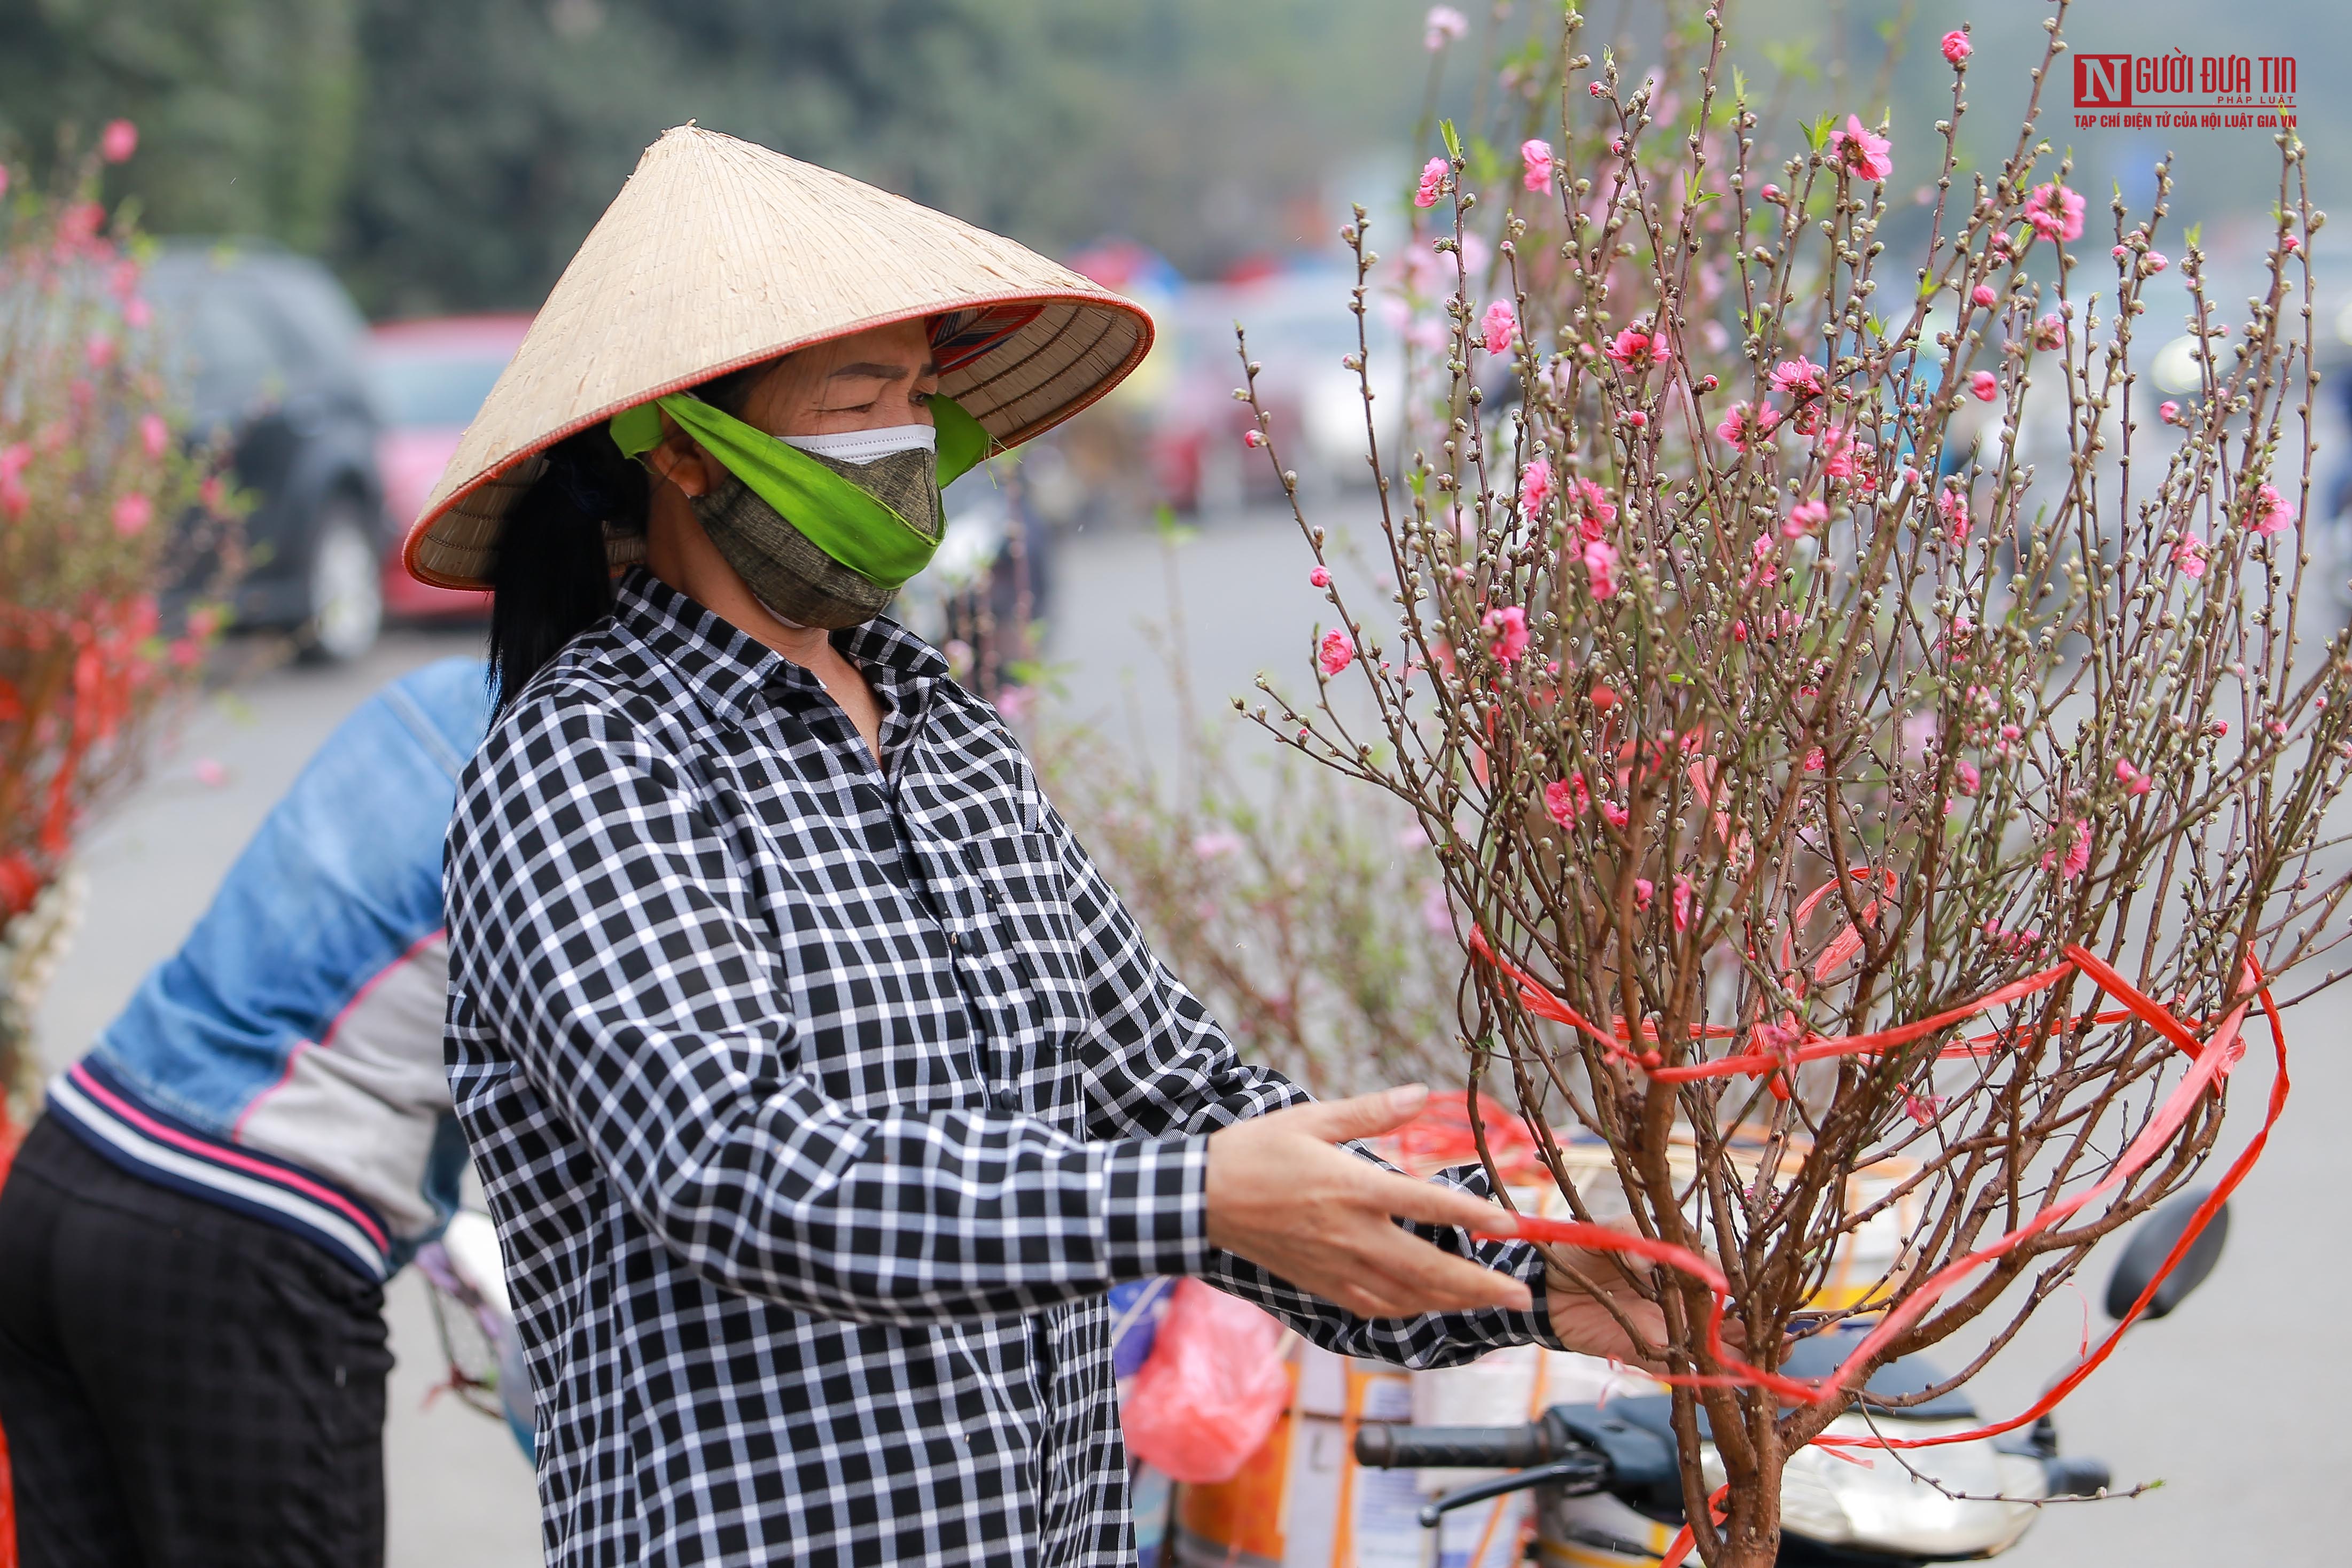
(850, 525)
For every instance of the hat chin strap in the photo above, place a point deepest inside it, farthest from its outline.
(778, 616)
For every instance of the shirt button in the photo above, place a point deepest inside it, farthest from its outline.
(1004, 1098)
(954, 940)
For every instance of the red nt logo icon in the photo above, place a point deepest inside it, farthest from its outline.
(2103, 81)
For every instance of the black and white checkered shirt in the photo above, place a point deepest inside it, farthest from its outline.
(818, 1105)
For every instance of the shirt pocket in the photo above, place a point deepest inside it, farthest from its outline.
(1020, 875)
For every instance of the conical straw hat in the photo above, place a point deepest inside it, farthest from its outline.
(716, 254)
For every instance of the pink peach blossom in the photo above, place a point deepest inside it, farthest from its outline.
(1498, 326)
(1566, 798)
(1955, 46)
(2272, 514)
(98, 351)
(2189, 556)
(1744, 425)
(132, 513)
(1862, 151)
(1965, 772)
(2133, 781)
(2056, 211)
(1985, 386)
(1433, 179)
(1983, 295)
(1319, 577)
(2168, 412)
(1613, 814)
(1443, 25)
(1799, 379)
(1601, 567)
(1336, 653)
(1952, 505)
(2078, 853)
(2050, 332)
(1534, 487)
(154, 436)
(1535, 160)
(1682, 903)
(118, 142)
(1215, 844)
(1805, 517)
(1594, 510)
(1508, 628)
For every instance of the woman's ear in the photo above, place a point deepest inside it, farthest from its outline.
(680, 459)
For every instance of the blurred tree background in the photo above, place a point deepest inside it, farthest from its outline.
(449, 154)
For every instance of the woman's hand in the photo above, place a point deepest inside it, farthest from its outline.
(1281, 1196)
(1582, 1316)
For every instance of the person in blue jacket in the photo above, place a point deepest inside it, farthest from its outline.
(195, 1239)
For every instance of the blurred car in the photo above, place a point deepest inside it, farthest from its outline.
(266, 348)
(1300, 331)
(428, 379)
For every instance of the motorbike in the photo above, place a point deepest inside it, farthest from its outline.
(1608, 1482)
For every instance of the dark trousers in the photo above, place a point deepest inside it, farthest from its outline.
(181, 1387)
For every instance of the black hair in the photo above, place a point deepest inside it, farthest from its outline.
(552, 581)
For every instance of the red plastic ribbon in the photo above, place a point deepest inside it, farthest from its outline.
(2211, 1060)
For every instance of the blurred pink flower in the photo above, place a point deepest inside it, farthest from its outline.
(2189, 556)
(2050, 332)
(1534, 487)
(1535, 160)
(1433, 179)
(2133, 781)
(1319, 578)
(1252, 438)
(1600, 566)
(1498, 327)
(2078, 853)
(1952, 505)
(1336, 653)
(1925, 1108)
(2168, 412)
(209, 772)
(1508, 628)
(1436, 915)
(2056, 211)
(132, 513)
(1215, 845)
(136, 313)
(99, 351)
(1983, 295)
(2154, 261)
(1799, 379)
(1859, 150)
(1984, 385)
(1955, 46)
(1971, 780)
(1616, 815)
(211, 492)
(154, 436)
(1682, 903)
(1637, 350)
(2272, 514)
(1594, 510)
(1805, 517)
(1443, 25)
(1566, 798)
(1743, 426)
(118, 142)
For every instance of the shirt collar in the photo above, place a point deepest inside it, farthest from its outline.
(728, 670)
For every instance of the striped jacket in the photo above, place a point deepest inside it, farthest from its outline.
(286, 1061)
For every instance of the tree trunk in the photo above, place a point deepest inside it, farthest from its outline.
(1750, 1536)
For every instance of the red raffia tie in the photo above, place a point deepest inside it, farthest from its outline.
(2211, 1063)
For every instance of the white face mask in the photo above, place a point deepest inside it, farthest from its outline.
(866, 446)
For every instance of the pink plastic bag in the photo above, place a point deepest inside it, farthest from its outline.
(1213, 1390)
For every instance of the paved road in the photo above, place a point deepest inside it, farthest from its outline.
(2233, 1402)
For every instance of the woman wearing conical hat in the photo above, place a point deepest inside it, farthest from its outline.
(819, 1084)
